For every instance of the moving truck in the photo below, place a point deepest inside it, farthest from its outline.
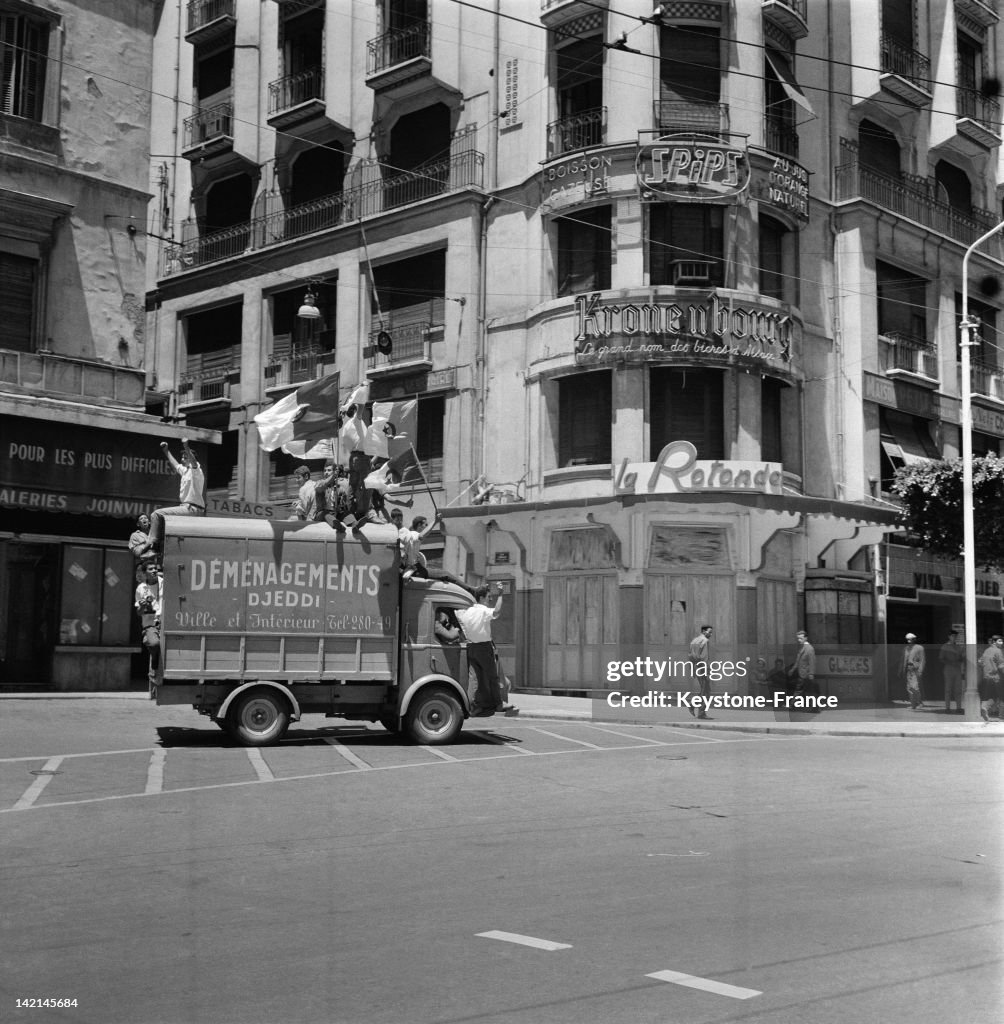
(262, 622)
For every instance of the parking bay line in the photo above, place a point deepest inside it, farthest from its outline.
(705, 984)
(524, 940)
(34, 791)
(558, 736)
(261, 769)
(347, 754)
(155, 772)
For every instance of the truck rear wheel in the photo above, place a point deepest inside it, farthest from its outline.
(259, 718)
(434, 716)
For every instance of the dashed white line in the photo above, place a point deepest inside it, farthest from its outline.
(34, 791)
(347, 754)
(155, 772)
(261, 768)
(524, 940)
(705, 984)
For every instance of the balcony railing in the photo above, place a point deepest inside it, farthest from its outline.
(410, 346)
(688, 272)
(297, 368)
(691, 116)
(215, 122)
(984, 110)
(74, 379)
(908, 354)
(897, 59)
(208, 375)
(397, 47)
(780, 137)
(798, 6)
(987, 380)
(577, 131)
(294, 90)
(463, 169)
(204, 12)
(912, 197)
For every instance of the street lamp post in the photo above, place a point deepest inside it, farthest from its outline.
(971, 699)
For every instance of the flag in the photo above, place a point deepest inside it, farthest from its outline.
(360, 395)
(403, 416)
(311, 450)
(406, 467)
(309, 413)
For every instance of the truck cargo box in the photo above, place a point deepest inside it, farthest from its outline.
(251, 598)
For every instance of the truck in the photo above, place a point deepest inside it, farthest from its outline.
(263, 622)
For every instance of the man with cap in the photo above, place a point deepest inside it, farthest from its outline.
(912, 669)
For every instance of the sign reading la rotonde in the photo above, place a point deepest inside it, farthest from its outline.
(678, 470)
(716, 331)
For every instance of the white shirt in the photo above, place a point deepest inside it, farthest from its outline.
(477, 623)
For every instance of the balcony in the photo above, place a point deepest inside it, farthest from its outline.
(987, 381)
(209, 132)
(76, 380)
(907, 357)
(691, 116)
(978, 118)
(905, 73)
(577, 131)
(789, 15)
(557, 12)
(296, 368)
(411, 351)
(912, 197)
(375, 195)
(780, 137)
(207, 378)
(687, 273)
(209, 20)
(984, 12)
(399, 56)
(296, 98)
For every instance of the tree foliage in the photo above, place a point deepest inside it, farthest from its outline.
(931, 493)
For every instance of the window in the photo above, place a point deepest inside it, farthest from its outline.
(902, 309)
(19, 275)
(584, 419)
(303, 40)
(689, 64)
(770, 419)
(213, 76)
(24, 45)
(985, 351)
(429, 436)
(904, 441)
(411, 291)
(686, 405)
(878, 149)
(985, 444)
(898, 22)
(686, 244)
(580, 76)
(584, 244)
(954, 187)
(772, 258)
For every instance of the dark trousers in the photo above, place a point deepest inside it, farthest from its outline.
(481, 657)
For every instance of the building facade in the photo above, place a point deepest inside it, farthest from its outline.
(79, 455)
(675, 292)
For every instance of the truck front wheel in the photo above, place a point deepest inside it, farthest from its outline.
(259, 718)
(434, 716)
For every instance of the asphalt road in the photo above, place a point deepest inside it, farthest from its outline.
(535, 872)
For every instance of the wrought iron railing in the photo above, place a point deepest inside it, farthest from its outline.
(291, 91)
(798, 6)
(913, 197)
(297, 368)
(212, 123)
(909, 354)
(462, 170)
(780, 137)
(204, 12)
(900, 60)
(691, 115)
(397, 47)
(577, 131)
(985, 110)
(409, 344)
(987, 380)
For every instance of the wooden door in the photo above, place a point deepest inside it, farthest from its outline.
(582, 629)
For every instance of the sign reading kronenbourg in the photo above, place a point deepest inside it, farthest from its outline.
(679, 471)
(691, 167)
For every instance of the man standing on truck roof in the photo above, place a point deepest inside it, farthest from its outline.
(192, 495)
(476, 623)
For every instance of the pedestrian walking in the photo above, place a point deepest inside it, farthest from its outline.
(952, 657)
(991, 674)
(912, 670)
(699, 653)
(476, 623)
(803, 669)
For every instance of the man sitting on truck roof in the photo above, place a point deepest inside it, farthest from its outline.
(192, 495)
(413, 562)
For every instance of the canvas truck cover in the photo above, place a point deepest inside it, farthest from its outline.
(253, 599)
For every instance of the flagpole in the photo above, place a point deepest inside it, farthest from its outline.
(425, 479)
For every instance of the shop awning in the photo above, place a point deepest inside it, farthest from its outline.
(780, 66)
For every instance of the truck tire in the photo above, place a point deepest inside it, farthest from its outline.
(259, 718)
(434, 717)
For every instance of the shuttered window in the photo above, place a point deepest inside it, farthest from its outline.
(584, 251)
(770, 419)
(584, 418)
(690, 64)
(24, 45)
(580, 76)
(686, 244)
(686, 405)
(18, 275)
(771, 258)
(878, 149)
(902, 310)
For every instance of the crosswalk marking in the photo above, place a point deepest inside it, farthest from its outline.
(155, 772)
(34, 791)
(705, 984)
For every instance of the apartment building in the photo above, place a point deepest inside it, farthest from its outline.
(79, 453)
(674, 288)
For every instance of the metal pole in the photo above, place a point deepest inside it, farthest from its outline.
(971, 700)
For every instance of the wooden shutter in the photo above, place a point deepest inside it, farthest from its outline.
(584, 251)
(584, 418)
(18, 275)
(686, 405)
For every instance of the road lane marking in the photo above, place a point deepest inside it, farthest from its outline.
(524, 940)
(34, 791)
(261, 769)
(155, 772)
(581, 743)
(705, 984)
(347, 754)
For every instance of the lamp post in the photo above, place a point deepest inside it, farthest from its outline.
(971, 700)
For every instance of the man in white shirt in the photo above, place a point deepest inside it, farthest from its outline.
(476, 623)
(148, 602)
(192, 495)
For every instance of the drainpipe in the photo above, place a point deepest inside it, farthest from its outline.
(481, 368)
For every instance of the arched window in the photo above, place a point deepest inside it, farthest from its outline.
(955, 186)
(878, 149)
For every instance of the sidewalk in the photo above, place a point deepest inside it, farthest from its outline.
(860, 720)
